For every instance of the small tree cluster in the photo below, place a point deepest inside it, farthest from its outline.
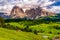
(26, 28)
(2, 23)
(56, 27)
(8, 26)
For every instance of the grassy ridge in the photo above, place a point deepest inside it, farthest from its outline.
(22, 29)
(6, 34)
(51, 29)
(43, 27)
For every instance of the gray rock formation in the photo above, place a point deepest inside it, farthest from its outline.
(17, 12)
(33, 13)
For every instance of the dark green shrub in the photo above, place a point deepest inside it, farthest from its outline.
(2, 22)
(56, 27)
(26, 28)
(50, 32)
(30, 30)
(41, 31)
(8, 26)
(36, 32)
(58, 33)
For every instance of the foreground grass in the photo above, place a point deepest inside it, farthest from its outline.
(6, 34)
(43, 28)
(49, 27)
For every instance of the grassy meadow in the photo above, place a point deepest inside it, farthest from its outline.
(45, 28)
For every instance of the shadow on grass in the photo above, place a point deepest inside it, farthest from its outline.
(13, 20)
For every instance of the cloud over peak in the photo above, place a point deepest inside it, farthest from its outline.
(47, 4)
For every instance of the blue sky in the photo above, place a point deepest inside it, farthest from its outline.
(56, 4)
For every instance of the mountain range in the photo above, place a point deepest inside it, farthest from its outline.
(29, 13)
(50, 6)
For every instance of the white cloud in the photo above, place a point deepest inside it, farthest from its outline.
(47, 3)
(1, 0)
(28, 1)
(42, 3)
(55, 9)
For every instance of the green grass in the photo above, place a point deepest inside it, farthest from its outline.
(50, 28)
(6, 34)
(43, 28)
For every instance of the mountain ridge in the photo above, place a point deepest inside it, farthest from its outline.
(31, 13)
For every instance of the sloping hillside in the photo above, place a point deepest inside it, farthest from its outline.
(6, 34)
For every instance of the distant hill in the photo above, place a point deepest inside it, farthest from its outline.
(4, 15)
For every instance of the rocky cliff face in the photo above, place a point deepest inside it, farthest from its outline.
(32, 13)
(17, 12)
(38, 12)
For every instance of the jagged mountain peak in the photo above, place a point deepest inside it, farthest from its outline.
(32, 13)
